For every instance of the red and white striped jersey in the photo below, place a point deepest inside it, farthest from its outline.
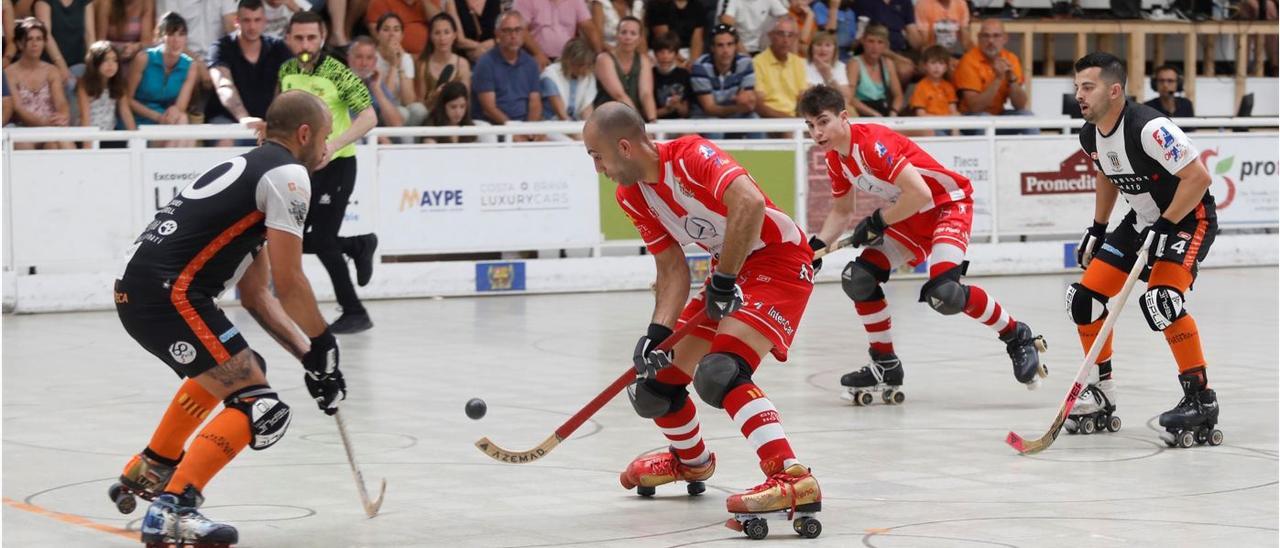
(877, 155)
(686, 204)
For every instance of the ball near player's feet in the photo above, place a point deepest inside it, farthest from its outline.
(476, 408)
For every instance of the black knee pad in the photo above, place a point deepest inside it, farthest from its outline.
(945, 293)
(1085, 305)
(268, 416)
(861, 280)
(262, 363)
(652, 399)
(1161, 306)
(719, 373)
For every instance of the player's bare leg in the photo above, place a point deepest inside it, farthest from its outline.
(665, 399)
(723, 380)
(252, 416)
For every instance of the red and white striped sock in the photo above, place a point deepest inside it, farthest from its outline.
(682, 429)
(758, 420)
(876, 320)
(985, 309)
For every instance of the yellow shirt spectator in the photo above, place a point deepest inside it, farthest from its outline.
(779, 83)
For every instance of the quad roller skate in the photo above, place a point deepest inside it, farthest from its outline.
(792, 494)
(1192, 421)
(145, 477)
(173, 521)
(662, 467)
(1024, 349)
(1094, 410)
(883, 374)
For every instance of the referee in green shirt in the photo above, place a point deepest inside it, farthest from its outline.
(332, 182)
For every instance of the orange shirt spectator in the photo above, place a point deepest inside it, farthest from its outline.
(975, 72)
(945, 23)
(936, 98)
(414, 15)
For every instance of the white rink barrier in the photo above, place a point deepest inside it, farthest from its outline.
(70, 214)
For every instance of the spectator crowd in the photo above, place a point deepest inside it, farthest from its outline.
(118, 64)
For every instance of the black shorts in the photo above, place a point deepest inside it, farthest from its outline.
(330, 192)
(189, 343)
(1120, 249)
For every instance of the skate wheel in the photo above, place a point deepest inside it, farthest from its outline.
(645, 491)
(1087, 426)
(696, 488)
(1041, 345)
(1043, 371)
(756, 528)
(807, 527)
(1072, 426)
(123, 499)
(864, 398)
(1215, 437)
(1186, 439)
(898, 398)
(1113, 424)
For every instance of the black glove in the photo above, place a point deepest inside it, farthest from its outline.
(870, 231)
(815, 244)
(1161, 242)
(1089, 244)
(647, 358)
(324, 379)
(723, 296)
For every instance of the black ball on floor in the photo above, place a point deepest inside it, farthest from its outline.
(476, 408)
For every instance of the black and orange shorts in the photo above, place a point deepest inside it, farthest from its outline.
(1120, 249)
(188, 332)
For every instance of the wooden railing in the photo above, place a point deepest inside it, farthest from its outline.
(1135, 33)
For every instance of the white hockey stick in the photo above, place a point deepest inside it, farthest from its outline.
(370, 507)
(1030, 447)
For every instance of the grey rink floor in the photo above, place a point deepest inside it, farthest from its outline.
(80, 397)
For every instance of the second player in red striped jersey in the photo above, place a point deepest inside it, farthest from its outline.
(928, 218)
(688, 191)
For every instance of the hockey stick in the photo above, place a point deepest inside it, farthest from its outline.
(1031, 447)
(370, 507)
(565, 430)
(841, 243)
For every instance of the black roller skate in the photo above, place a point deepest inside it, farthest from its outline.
(1192, 421)
(173, 521)
(883, 374)
(1094, 410)
(145, 476)
(1024, 349)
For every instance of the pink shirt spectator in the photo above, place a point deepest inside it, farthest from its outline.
(552, 23)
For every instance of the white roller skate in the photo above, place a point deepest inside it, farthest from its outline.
(173, 521)
(1094, 410)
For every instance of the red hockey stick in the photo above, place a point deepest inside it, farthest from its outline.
(565, 430)
(1030, 447)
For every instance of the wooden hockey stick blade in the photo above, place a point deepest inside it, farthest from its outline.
(565, 430)
(1031, 447)
(518, 457)
(370, 507)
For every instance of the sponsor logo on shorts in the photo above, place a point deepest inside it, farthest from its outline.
(183, 352)
(782, 321)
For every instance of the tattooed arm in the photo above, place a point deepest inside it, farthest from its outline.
(257, 299)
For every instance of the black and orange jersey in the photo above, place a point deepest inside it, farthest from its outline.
(1142, 156)
(205, 238)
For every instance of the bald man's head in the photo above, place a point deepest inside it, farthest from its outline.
(991, 37)
(615, 139)
(301, 122)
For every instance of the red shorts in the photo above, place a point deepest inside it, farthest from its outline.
(945, 224)
(776, 282)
